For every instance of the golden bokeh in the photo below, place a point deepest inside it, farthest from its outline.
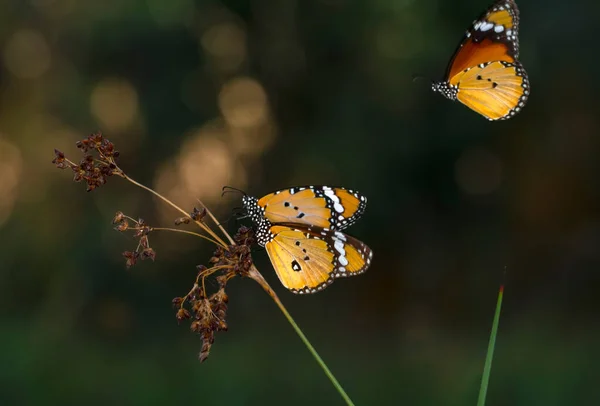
(11, 166)
(243, 103)
(226, 45)
(204, 165)
(253, 141)
(114, 102)
(27, 54)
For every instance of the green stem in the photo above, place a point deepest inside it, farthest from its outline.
(490, 351)
(254, 274)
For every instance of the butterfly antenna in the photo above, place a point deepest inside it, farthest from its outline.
(231, 189)
(421, 77)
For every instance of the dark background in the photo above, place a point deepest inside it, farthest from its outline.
(264, 95)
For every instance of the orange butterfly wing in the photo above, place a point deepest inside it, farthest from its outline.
(496, 90)
(484, 73)
(477, 53)
(321, 206)
(308, 259)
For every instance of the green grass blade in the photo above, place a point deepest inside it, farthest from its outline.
(490, 351)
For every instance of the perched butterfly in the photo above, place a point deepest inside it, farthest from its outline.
(300, 229)
(484, 73)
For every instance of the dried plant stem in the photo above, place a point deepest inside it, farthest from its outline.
(254, 274)
(175, 230)
(179, 209)
(214, 219)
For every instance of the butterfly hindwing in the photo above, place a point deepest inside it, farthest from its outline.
(495, 90)
(307, 259)
(321, 206)
(484, 73)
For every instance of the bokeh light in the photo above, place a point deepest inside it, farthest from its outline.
(114, 102)
(203, 166)
(27, 54)
(226, 45)
(243, 103)
(11, 166)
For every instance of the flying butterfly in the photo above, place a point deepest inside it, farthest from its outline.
(300, 230)
(484, 73)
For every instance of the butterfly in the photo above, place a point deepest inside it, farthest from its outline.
(484, 73)
(300, 229)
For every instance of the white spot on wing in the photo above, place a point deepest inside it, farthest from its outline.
(338, 207)
(340, 235)
(339, 246)
(331, 194)
(486, 26)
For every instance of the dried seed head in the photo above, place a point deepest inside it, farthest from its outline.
(198, 215)
(123, 226)
(130, 258)
(182, 314)
(196, 326)
(93, 170)
(60, 160)
(148, 253)
(182, 220)
(119, 217)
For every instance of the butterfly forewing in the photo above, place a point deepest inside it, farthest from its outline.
(307, 259)
(321, 206)
(492, 37)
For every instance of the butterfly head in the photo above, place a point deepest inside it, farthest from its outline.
(250, 205)
(447, 90)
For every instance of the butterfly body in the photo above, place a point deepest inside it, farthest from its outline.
(300, 230)
(484, 73)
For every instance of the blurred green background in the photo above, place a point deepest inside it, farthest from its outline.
(264, 95)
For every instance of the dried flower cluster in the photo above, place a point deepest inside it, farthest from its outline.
(93, 170)
(141, 231)
(207, 312)
(196, 215)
